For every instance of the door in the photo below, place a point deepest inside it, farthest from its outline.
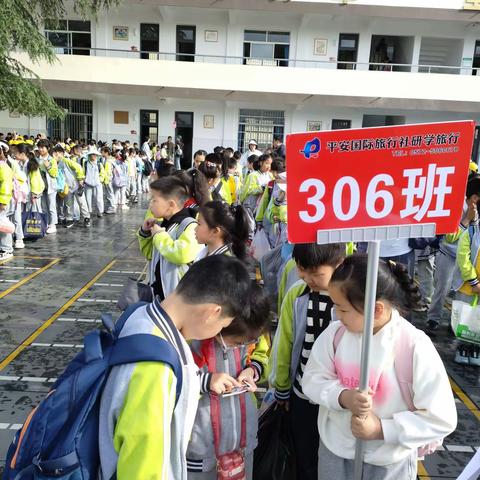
(148, 125)
(184, 136)
(347, 51)
(149, 40)
(476, 58)
(186, 36)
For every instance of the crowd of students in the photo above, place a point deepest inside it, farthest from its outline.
(196, 237)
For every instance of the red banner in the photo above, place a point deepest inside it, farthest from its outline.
(373, 177)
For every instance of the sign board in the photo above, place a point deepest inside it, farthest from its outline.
(408, 175)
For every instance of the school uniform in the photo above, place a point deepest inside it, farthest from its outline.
(16, 205)
(110, 203)
(93, 185)
(201, 454)
(49, 197)
(303, 317)
(170, 252)
(253, 188)
(6, 189)
(142, 433)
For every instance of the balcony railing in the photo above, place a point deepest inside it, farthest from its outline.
(270, 62)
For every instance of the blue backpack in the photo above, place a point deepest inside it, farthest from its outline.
(60, 437)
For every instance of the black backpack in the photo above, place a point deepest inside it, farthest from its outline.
(147, 167)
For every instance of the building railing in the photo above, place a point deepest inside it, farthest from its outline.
(133, 52)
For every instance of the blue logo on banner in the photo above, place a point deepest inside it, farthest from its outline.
(311, 149)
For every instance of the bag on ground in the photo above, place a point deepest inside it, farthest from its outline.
(34, 223)
(260, 244)
(465, 320)
(59, 439)
(274, 458)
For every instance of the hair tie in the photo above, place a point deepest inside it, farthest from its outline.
(211, 164)
(194, 172)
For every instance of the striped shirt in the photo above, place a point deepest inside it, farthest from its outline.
(319, 316)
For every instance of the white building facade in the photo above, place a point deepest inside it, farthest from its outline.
(223, 73)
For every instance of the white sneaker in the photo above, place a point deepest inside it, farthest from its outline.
(19, 244)
(5, 255)
(125, 207)
(52, 229)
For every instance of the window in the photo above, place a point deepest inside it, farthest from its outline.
(266, 48)
(347, 51)
(186, 43)
(77, 123)
(69, 37)
(261, 126)
(338, 124)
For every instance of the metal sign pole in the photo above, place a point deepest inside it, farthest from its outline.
(369, 314)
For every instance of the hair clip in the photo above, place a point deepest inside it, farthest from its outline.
(392, 264)
(211, 164)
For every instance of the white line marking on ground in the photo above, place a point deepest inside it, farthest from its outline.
(123, 271)
(96, 300)
(109, 284)
(10, 281)
(79, 320)
(11, 378)
(20, 268)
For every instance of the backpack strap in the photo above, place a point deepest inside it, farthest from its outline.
(338, 337)
(144, 347)
(124, 316)
(404, 350)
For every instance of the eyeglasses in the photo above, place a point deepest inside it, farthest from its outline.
(226, 347)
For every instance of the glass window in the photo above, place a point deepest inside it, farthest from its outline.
(185, 34)
(78, 26)
(58, 39)
(348, 43)
(255, 36)
(278, 37)
(55, 25)
(261, 50)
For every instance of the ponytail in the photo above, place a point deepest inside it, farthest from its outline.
(32, 164)
(232, 220)
(196, 184)
(394, 284)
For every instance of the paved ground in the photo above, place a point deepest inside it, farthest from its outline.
(52, 294)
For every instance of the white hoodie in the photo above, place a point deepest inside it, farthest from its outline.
(327, 375)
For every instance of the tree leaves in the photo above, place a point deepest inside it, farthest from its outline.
(21, 25)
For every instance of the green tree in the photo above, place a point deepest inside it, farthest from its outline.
(21, 23)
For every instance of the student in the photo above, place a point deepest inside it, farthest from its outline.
(255, 183)
(306, 312)
(211, 168)
(74, 177)
(108, 162)
(273, 204)
(147, 170)
(139, 162)
(29, 164)
(131, 161)
(466, 283)
(170, 246)
(252, 150)
(143, 434)
(278, 146)
(445, 259)
(94, 178)
(223, 229)
(236, 355)
(20, 194)
(234, 180)
(198, 158)
(120, 181)
(197, 188)
(6, 189)
(49, 171)
(393, 431)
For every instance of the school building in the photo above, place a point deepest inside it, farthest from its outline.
(225, 71)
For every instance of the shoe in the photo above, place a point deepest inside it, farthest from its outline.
(462, 355)
(99, 215)
(69, 224)
(135, 200)
(5, 255)
(125, 207)
(19, 244)
(474, 358)
(110, 212)
(52, 229)
(432, 326)
(63, 222)
(87, 222)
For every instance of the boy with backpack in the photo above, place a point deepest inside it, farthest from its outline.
(305, 313)
(171, 246)
(125, 406)
(49, 172)
(6, 189)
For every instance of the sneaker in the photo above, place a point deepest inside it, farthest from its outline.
(134, 200)
(462, 355)
(5, 255)
(86, 222)
(432, 326)
(125, 207)
(69, 224)
(474, 358)
(99, 215)
(52, 229)
(19, 244)
(109, 212)
(63, 221)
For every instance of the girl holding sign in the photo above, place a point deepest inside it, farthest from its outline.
(409, 408)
